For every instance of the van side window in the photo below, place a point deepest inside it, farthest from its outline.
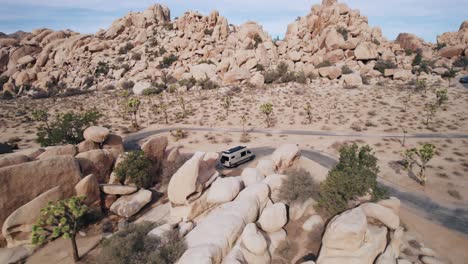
(243, 153)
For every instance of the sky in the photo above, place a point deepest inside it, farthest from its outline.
(425, 18)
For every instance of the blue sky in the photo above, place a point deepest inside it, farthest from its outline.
(425, 18)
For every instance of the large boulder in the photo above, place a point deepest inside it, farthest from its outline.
(87, 145)
(53, 151)
(285, 156)
(385, 215)
(98, 162)
(115, 189)
(193, 177)
(155, 148)
(30, 179)
(129, 205)
(17, 227)
(251, 176)
(141, 86)
(203, 71)
(89, 187)
(273, 218)
(402, 75)
(346, 231)
(114, 143)
(12, 159)
(452, 51)
(266, 167)
(224, 190)
(96, 134)
(366, 51)
(253, 240)
(331, 72)
(409, 42)
(352, 79)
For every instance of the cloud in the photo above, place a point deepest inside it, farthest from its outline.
(426, 18)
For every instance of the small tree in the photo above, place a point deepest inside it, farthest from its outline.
(243, 122)
(431, 110)
(419, 157)
(164, 109)
(60, 219)
(182, 105)
(226, 103)
(133, 105)
(442, 97)
(267, 110)
(449, 75)
(308, 109)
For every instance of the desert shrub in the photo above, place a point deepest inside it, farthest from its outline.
(365, 80)
(346, 70)
(461, 62)
(343, 31)
(7, 95)
(376, 42)
(136, 56)
(65, 129)
(382, 65)
(151, 91)
(208, 32)
(207, 84)
(260, 67)
(440, 46)
(137, 168)
(3, 80)
(169, 26)
(298, 186)
(417, 59)
(271, 76)
(409, 52)
(123, 50)
(133, 246)
(127, 85)
(178, 134)
(204, 61)
(168, 61)
(355, 175)
(101, 69)
(189, 83)
(257, 40)
(325, 63)
(89, 81)
(300, 77)
(283, 75)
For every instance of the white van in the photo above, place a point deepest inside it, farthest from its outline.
(236, 156)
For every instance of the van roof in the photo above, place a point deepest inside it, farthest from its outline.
(230, 151)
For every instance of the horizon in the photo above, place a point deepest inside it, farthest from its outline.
(274, 17)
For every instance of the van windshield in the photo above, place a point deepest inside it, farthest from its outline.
(224, 158)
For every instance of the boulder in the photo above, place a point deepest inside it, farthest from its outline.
(12, 159)
(236, 76)
(193, 177)
(402, 75)
(185, 228)
(157, 214)
(352, 79)
(53, 151)
(331, 72)
(203, 71)
(266, 167)
(118, 189)
(409, 42)
(312, 223)
(224, 190)
(334, 40)
(257, 80)
(285, 156)
(274, 239)
(451, 51)
(431, 260)
(161, 231)
(346, 231)
(25, 60)
(17, 227)
(114, 143)
(87, 145)
(129, 205)
(299, 209)
(30, 179)
(273, 218)
(96, 134)
(141, 86)
(381, 213)
(89, 187)
(98, 162)
(251, 176)
(392, 203)
(16, 254)
(253, 240)
(366, 51)
(155, 148)
(274, 181)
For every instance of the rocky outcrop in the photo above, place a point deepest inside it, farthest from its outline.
(129, 205)
(33, 178)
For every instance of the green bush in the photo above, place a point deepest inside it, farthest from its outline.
(343, 31)
(65, 129)
(7, 95)
(353, 176)
(298, 186)
(127, 85)
(461, 62)
(208, 32)
(258, 40)
(101, 69)
(207, 84)
(123, 50)
(283, 75)
(325, 63)
(189, 83)
(417, 59)
(382, 65)
(137, 167)
(168, 61)
(133, 246)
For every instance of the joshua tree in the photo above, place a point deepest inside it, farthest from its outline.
(267, 110)
(133, 105)
(431, 109)
(182, 106)
(243, 122)
(42, 116)
(60, 219)
(226, 103)
(449, 75)
(442, 97)
(308, 109)
(419, 157)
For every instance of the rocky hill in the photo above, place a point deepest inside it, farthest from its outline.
(148, 46)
